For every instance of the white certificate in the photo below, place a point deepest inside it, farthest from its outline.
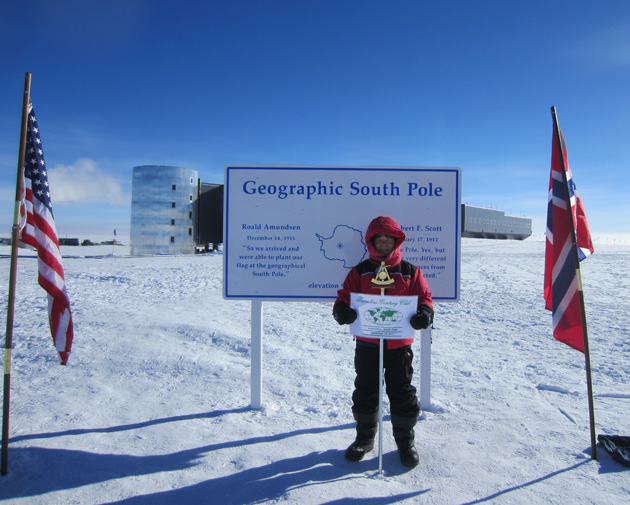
(382, 316)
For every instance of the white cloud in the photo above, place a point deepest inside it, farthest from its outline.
(85, 181)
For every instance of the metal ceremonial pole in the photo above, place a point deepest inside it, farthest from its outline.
(380, 400)
(382, 281)
(15, 237)
(587, 355)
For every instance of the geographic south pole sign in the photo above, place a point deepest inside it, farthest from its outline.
(293, 233)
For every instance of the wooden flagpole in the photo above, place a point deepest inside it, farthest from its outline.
(15, 237)
(587, 356)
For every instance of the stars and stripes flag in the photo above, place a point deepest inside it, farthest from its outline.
(568, 243)
(38, 230)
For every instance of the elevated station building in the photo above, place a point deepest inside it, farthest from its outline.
(480, 222)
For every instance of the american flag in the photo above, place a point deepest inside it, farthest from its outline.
(38, 230)
(562, 277)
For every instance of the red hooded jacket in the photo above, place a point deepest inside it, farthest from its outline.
(408, 279)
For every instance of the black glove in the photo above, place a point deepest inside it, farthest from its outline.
(344, 314)
(423, 318)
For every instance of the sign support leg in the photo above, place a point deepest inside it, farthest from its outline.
(257, 354)
(425, 369)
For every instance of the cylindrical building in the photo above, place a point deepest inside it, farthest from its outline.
(163, 206)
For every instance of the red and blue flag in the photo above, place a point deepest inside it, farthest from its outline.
(568, 243)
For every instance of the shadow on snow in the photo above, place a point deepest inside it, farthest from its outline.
(45, 470)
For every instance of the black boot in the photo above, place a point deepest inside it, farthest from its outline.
(404, 436)
(366, 431)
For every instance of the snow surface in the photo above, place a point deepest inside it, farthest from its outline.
(153, 407)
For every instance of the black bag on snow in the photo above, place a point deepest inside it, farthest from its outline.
(618, 447)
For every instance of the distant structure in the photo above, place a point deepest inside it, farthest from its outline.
(480, 222)
(68, 241)
(163, 210)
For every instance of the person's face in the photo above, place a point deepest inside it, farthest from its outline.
(384, 244)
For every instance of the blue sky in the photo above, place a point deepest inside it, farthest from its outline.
(204, 84)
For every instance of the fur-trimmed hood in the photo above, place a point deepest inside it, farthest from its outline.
(387, 225)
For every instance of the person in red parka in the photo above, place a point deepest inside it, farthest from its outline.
(384, 239)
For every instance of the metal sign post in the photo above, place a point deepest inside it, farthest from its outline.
(257, 354)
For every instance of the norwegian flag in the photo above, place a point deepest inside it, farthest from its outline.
(38, 230)
(568, 243)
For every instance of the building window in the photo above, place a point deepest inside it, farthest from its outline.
(190, 214)
(172, 222)
(190, 232)
(172, 240)
(174, 187)
(172, 205)
(191, 198)
(191, 180)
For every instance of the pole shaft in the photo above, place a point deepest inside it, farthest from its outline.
(381, 351)
(15, 235)
(380, 407)
(587, 356)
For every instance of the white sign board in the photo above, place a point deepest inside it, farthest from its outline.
(294, 233)
(382, 316)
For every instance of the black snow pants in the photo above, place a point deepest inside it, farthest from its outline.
(403, 401)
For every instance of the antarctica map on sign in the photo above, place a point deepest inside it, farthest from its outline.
(341, 245)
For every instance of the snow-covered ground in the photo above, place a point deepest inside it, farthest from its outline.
(153, 407)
